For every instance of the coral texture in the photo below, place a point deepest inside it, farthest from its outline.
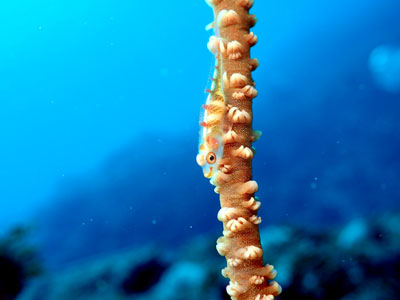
(226, 153)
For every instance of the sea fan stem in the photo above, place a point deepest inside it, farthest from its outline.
(249, 278)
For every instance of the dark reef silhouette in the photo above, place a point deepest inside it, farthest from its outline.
(338, 264)
(19, 262)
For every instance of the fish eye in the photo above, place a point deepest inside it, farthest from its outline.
(211, 157)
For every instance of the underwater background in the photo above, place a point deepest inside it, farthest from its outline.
(100, 194)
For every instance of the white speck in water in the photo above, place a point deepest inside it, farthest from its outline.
(154, 222)
(384, 64)
(40, 28)
(315, 178)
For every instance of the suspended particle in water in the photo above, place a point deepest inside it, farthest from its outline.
(384, 64)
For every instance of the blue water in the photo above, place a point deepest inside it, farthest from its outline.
(100, 104)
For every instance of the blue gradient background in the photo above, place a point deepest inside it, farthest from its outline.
(100, 104)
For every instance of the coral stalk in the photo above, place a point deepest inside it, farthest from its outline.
(226, 151)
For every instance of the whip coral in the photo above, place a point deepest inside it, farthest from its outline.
(226, 153)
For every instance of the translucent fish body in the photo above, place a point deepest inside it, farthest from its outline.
(211, 145)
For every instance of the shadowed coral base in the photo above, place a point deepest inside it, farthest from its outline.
(249, 278)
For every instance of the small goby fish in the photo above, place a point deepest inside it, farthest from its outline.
(211, 145)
